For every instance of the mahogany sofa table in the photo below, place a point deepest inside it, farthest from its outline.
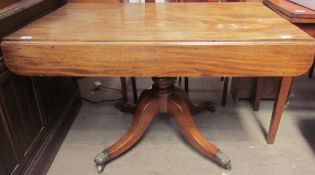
(163, 41)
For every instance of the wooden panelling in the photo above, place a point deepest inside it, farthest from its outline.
(28, 110)
(8, 160)
(58, 87)
(2, 168)
(60, 122)
(6, 3)
(19, 15)
(48, 101)
(19, 106)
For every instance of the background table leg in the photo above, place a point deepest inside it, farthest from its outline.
(134, 90)
(278, 108)
(225, 90)
(124, 89)
(186, 85)
(258, 93)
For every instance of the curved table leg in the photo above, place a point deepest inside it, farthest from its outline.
(196, 108)
(146, 110)
(178, 108)
(163, 97)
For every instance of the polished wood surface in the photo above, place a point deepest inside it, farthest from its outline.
(302, 17)
(179, 109)
(163, 97)
(227, 39)
(163, 40)
(278, 108)
(292, 11)
(147, 109)
(156, 22)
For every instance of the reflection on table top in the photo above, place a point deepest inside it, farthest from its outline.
(161, 22)
(180, 39)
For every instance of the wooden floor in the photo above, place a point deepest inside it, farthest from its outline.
(236, 129)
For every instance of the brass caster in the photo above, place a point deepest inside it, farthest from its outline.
(100, 161)
(228, 166)
(223, 160)
(100, 168)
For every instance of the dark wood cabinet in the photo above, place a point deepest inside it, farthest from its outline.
(19, 114)
(57, 88)
(8, 160)
(20, 111)
(255, 89)
(35, 112)
(29, 109)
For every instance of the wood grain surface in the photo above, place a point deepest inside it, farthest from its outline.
(278, 108)
(177, 39)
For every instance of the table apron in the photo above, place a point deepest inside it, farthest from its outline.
(198, 59)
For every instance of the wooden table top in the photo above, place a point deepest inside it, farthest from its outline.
(180, 39)
(293, 12)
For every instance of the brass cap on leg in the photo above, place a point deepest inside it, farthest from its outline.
(100, 161)
(223, 160)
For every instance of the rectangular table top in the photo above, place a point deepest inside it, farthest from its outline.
(176, 39)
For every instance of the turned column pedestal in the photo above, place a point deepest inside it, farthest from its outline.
(164, 97)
